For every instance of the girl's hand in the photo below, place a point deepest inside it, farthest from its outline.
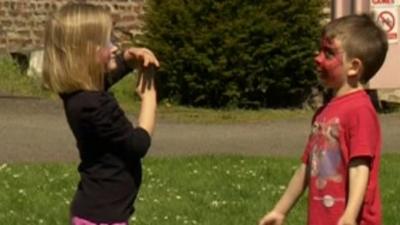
(140, 57)
(272, 218)
(146, 85)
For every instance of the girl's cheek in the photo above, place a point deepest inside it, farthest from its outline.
(104, 56)
(112, 64)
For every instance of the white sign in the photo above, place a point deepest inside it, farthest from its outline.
(388, 18)
(383, 3)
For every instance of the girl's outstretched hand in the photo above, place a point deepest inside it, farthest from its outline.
(140, 57)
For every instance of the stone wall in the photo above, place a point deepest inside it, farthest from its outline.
(22, 21)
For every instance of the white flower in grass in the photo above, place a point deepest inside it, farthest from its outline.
(3, 166)
(195, 171)
(17, 175)
(194, 222)
(22, 192)
(156, 201)
(41, 221)
(215, 203)
(178, 197)
(165, 217)
(228, 172)
(282, 187)
(185, 221)
(263, 188)
(133, 218)
(6, 185)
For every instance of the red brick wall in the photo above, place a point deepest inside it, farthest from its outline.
(22, 21)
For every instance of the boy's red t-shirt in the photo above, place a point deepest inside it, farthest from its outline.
(346, 128)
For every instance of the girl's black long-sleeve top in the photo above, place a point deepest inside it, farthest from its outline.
(110, 150)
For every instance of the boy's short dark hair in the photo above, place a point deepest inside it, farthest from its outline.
(361, 38)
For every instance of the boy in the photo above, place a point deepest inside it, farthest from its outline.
(341, 161)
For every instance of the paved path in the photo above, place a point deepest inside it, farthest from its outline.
(36, 130)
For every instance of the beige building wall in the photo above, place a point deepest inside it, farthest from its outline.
(387, 77)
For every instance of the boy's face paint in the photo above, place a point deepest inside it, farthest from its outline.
(329, 63)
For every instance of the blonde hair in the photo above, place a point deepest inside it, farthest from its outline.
(73, 37)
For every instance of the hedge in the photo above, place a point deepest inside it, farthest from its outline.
(234, 53)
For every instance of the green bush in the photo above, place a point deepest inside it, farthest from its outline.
(234, 53)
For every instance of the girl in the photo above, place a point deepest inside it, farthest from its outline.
(80, 64)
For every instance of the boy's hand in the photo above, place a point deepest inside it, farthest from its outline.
(272, 218)
(346, 220)
(140, 57)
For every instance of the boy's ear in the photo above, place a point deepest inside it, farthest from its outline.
(355, 68)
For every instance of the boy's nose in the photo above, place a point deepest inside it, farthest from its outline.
(318, 58)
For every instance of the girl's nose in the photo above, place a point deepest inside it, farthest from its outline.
(112, 47)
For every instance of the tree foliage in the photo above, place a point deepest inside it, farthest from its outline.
(234, 53)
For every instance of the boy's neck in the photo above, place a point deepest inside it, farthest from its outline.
(347, 89)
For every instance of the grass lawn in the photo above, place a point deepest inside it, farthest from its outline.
(183, 190)
(14, 82)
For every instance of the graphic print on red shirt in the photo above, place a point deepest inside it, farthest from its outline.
(326, 158)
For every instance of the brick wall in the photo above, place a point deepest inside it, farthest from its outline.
(22, 21)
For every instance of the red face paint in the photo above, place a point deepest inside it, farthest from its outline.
(329, 63)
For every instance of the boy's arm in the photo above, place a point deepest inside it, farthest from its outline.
(295, 189)
(358, 180)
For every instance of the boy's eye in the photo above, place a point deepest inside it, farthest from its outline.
(329, 54)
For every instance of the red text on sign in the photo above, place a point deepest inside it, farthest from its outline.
(382, 1)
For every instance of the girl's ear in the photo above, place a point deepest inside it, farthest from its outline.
(355, 67)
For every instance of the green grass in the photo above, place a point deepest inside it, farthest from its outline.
(14, 82)
(209, 190)
(124, 91)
